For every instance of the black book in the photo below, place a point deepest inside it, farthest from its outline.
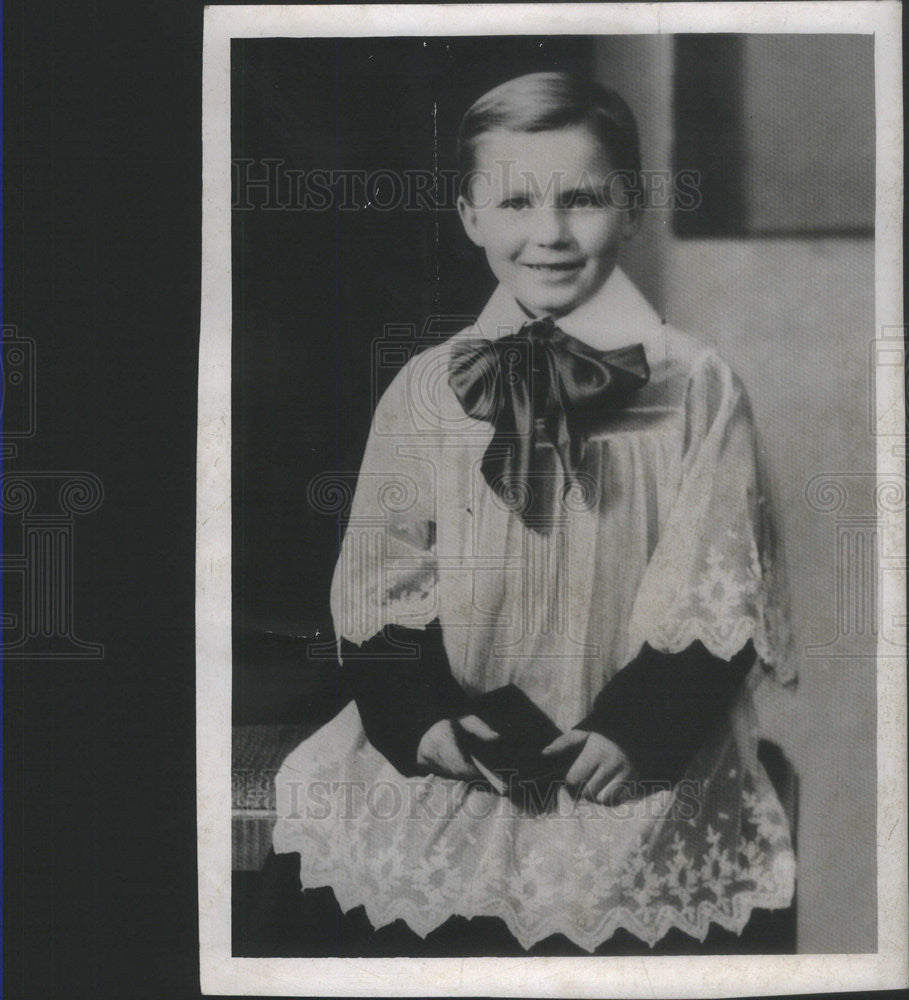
(514, 764)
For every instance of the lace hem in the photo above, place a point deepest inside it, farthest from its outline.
(425, 849)
(733, 916)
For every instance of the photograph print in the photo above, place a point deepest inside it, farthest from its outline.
(555, 520)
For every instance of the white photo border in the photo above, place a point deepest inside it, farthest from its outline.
(223, 974)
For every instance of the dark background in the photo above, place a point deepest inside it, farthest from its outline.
(102, 215)
(315, 289)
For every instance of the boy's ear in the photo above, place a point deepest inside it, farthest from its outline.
(468, 214)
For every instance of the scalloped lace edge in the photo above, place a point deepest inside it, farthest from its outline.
(743, 902)
(721, 643)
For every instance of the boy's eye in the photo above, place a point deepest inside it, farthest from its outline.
(516, 203)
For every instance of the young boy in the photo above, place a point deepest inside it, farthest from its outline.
(558, 512)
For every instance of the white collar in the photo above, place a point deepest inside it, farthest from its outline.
(617, 315)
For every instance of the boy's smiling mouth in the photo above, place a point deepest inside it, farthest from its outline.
(571, 265)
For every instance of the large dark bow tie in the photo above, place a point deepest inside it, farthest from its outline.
(541, 373)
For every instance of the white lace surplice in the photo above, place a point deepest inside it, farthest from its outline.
(668, 544)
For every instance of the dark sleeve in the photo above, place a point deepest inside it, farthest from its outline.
(402, 684)
(661, 707)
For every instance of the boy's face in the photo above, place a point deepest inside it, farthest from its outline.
(536, 206)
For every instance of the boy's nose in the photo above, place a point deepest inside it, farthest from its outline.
(550, 226)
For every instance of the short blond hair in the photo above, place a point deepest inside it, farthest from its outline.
(540, 102)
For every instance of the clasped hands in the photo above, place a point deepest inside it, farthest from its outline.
(600, 771)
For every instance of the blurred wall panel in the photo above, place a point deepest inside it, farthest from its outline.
(780, 129)
(808, 133)
(708, 131)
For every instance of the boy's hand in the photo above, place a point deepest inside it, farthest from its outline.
(600, 771)
(440, 749)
